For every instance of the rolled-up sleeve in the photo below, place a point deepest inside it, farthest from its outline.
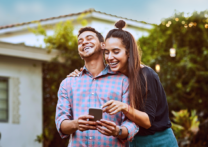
(131, 126)
(63, 108)
(132, 129)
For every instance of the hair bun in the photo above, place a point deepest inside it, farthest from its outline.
(120, 24)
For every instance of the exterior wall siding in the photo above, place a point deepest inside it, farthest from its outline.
(25, 102)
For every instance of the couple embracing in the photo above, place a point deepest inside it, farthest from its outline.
(133, 101)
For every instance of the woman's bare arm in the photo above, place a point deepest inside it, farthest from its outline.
(140, 118)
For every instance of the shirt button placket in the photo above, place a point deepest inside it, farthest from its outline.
(92, 104)
(93, 90)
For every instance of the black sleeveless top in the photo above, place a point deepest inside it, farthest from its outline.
(155, 103)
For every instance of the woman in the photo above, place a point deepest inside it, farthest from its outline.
(148, 105)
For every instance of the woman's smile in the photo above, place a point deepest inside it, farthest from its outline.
(116, 54)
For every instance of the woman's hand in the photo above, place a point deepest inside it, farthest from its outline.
(107, 128)
(113, 107)
(75, 73)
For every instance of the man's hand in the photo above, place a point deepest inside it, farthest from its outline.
(107, 128)
(83, 124)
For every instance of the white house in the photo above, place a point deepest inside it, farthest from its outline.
(18, 33)
(21, 73)
(21, 94)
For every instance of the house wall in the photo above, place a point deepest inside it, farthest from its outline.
(25, 102)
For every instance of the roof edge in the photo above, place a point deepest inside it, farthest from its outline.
(72, 14)
(28, 52)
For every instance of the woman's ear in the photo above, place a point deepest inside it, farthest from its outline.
(102, 45)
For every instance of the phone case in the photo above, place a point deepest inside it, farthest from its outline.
(97, 113)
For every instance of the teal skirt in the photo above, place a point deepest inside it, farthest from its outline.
(160, 139)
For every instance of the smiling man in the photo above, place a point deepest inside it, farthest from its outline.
(96, 85)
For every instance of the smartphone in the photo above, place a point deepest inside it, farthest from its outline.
(97, 113)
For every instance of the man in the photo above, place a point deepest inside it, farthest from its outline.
(96, 85)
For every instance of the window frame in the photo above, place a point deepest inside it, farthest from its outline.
(7, 110)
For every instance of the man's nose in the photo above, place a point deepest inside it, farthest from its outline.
(84, 42)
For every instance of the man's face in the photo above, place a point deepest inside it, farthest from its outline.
(88, 44)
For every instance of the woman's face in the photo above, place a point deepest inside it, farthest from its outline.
(116, 55)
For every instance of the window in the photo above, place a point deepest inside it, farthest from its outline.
(4, 99)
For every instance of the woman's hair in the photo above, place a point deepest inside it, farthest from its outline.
(134, 61)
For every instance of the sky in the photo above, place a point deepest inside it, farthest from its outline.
(151, 11)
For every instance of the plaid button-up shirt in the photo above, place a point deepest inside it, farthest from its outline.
(77, 94)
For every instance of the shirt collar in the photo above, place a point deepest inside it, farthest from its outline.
(106, 71)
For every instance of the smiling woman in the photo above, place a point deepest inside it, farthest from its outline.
(127, 61)
(149, 108)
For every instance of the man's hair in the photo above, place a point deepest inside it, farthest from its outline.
(99, 36)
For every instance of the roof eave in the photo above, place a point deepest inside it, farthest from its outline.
(91, 13)
(35, 24)
(113, 18)
(28, 52)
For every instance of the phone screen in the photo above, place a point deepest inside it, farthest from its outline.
(97, 113)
